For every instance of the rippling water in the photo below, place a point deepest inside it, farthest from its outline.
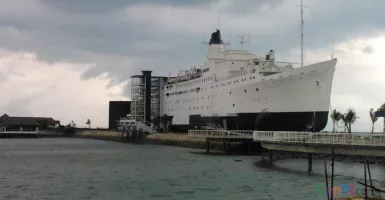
(90, 169)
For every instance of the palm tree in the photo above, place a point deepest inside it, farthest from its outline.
(88, 122)
(349, 118)
(373, 118)
(336, 117)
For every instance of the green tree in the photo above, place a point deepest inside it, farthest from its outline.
(336, 117)
(350, 118)
(88, 122)
(373, 117)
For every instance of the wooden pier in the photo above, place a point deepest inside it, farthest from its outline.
(221, 135)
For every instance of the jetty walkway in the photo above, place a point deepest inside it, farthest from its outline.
(359, 144)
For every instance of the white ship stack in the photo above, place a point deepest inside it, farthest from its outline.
(236, 89)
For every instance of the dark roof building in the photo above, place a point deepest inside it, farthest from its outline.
(27, 122)
(117, 109)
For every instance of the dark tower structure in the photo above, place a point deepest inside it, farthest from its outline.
(145, 97)
(147, 81)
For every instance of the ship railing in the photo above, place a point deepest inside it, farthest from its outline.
(235, 134)
(353, 139)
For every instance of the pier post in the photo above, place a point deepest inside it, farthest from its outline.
(271, 157)
(263, 152)
(208, 145)
(309, 162)
(224, 147)
(225, 124)
(229, 146)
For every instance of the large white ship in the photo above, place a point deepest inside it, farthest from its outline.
(236, 89)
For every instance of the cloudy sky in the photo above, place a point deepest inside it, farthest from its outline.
(68, 58)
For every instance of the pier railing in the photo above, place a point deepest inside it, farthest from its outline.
(354, 139)
(224, 134)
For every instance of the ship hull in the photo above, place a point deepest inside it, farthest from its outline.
(297, 100)
(288, 121)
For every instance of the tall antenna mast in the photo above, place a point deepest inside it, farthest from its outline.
(302, 23)
(302, 33)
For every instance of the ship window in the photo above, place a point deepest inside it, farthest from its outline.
(256, 89)
(245, 91)
(202, 97)
(233, 105)
(230, 92)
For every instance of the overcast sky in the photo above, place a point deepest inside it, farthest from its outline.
(68, 58)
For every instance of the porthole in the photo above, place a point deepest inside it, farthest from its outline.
(233, 105)
(256, 89)
(245, 91)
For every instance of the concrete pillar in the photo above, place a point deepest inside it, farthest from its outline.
(309, 162)
(207, 146)
(271, 157)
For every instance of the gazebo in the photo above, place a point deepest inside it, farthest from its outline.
(381, 114)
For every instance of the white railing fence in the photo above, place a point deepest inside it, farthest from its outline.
(360, 139)
(241, 134)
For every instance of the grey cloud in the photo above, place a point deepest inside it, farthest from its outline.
(368, 49)
(84, 32)
(101, 6)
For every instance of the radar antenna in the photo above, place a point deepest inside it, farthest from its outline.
(242, 39)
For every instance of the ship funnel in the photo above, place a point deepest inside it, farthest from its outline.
(216, 38)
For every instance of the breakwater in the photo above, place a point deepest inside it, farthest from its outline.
(168, 139)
